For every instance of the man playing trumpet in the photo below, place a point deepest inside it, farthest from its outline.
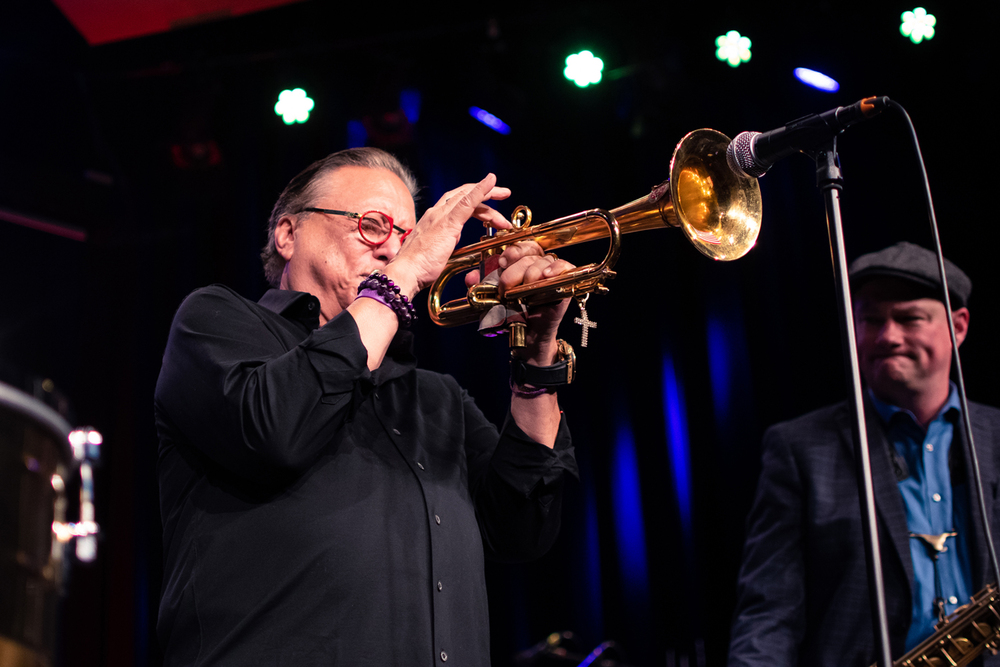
(323, 500)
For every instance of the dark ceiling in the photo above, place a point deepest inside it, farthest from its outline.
(73, 111)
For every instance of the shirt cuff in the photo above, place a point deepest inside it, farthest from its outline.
(523, 463)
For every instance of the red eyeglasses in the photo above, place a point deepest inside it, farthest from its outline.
(375, 227)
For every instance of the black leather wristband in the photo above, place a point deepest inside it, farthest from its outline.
(558, 374)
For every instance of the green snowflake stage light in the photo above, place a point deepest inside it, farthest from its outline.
(732, 48)
(918, 25)
(583, 68)
(294, 106)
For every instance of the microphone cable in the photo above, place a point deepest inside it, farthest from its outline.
(956, 358)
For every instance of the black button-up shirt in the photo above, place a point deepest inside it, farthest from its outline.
(316, 513)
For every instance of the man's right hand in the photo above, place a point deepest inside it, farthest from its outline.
(425, 253)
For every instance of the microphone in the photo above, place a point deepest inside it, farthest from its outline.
(753, 153)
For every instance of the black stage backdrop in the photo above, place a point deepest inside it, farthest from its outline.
(164, 151)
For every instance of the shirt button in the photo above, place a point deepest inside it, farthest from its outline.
(444, 657)
(437, 519)
(420, 465)
(440, 586)
(396, 431)
(936, 497)
(953, 600)
(930, 447)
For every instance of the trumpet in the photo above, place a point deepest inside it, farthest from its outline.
(718, 210)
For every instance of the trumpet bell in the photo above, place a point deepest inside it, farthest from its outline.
(718, 209)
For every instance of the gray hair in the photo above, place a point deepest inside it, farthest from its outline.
(299, 192)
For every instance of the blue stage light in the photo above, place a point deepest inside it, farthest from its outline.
(357, 135)
(720, 365)
(489, 120)
(678, 446)
(630, 530)
(410, 102)
(816, 79)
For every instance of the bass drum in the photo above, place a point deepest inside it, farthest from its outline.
(35, 459)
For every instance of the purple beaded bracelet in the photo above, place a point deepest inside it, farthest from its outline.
(379, 287)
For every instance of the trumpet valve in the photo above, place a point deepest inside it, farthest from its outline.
(517, 335)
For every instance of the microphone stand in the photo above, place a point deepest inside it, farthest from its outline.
(830, 182)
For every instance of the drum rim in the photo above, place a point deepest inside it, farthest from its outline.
(40, 413)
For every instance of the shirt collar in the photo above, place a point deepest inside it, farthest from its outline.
(887, 411)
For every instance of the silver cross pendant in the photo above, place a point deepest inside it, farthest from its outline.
(583, 320)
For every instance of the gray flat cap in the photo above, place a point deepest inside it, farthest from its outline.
(916, 264)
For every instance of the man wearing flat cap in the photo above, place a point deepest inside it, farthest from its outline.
(803, 585)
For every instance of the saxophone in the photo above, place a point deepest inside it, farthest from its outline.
(961, 637)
